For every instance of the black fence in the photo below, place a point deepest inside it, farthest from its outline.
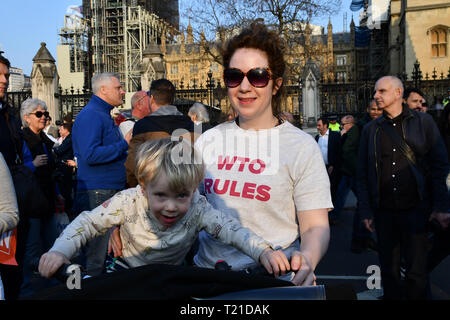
(72, 101)
(337, 97)
(15, 99)
(342, 98)
(353, 97)
(211, 97)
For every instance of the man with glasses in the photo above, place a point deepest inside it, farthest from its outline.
(162, 122)
(361, 237)
(348, 161)
(140, 108)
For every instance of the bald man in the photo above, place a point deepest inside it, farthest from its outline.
(399, 193)
(140, 108)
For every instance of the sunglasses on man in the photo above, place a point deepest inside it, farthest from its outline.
(39, 114)
(258, 77)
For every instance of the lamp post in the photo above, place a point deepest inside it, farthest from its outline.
(417, 74)
(300, 101)
(210, 85)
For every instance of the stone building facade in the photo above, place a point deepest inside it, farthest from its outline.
(315, 56)
(45, 80)
(419, 31)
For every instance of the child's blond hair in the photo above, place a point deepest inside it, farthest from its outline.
(164, 155)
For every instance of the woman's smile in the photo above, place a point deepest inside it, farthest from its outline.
(246, 100)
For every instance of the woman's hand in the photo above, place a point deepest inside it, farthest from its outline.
(71, 163)
(275, 262)
(114, 243)
(304, 273)
(40, 160)
(50, 262)
(368, 224)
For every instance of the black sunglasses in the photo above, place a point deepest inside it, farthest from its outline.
(258, 77)
(39, 114)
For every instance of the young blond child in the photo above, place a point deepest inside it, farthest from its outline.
(160, 218)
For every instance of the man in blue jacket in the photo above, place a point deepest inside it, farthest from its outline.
(100, 151)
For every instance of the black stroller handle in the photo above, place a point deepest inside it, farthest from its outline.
(276, 293)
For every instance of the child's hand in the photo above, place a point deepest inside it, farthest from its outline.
(275, 262)
(50, 263)
(114, 243)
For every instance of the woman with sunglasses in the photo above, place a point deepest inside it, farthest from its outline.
(261, 169)
(37, 155)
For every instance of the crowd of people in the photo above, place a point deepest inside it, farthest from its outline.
(164, 187)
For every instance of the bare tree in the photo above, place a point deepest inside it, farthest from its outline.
(216, 20)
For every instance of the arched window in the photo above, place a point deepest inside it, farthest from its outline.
(439, 42)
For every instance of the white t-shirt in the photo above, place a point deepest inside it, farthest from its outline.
(126, 126)
(262, 178)
(323, 145)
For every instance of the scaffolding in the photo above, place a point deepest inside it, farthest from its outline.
(121, 31)
(75, 35)
(379, 40)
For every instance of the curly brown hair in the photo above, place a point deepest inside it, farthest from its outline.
(258, 36)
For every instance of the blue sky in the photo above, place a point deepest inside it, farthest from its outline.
(27, 23)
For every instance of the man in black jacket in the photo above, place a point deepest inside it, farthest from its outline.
(11, 148)
(399, 190)
(330, 145)
(10, 133)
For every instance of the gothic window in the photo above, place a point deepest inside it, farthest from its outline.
(341, 76)
(341, 60)
(194, 83)
(215, 67)
(174, 69)
(194, 68)
(439, 42)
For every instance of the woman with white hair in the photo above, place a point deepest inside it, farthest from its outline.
(37, 155)
(199, 115)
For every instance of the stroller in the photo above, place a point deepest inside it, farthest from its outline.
(170, 282)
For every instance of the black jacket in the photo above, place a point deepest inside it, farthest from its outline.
(334, 148)
(422, 135)
(350, 144)
(10, 144)
(152, 127)
(44, 174)
(64, 151)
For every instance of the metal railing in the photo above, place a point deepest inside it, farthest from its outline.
(72, 101)
(337, 97)
(15, 99)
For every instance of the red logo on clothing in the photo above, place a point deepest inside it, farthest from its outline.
(246, 190)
